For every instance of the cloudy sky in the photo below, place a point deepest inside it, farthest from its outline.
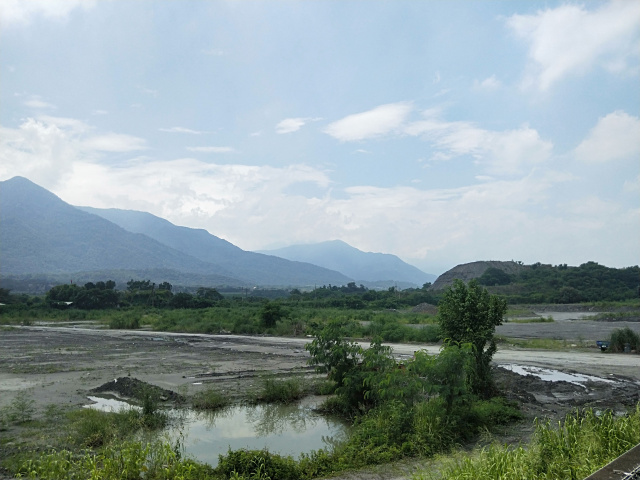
(442, 132)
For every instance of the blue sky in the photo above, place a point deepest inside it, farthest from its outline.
(442, 132)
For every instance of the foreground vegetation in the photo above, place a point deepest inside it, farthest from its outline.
(582, 444)
(572, 449)
(417, 408)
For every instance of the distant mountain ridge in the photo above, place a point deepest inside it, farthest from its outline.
(364, 267)
(41, 234)
(250, 266)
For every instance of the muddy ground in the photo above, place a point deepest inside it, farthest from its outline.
(61, 365)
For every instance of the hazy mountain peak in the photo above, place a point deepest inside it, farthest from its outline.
(362, 266)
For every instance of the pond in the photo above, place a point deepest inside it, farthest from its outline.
(283, 429)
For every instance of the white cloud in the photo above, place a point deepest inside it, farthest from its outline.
(380, 121)
(571, 39)
(114, 142)
(22, 12)
(212, 149)
(494, 219)
(181, 130)
(47, 148)
(490, 83)
(290, 125)
(37, 103)
(616, 136)
(506, 152)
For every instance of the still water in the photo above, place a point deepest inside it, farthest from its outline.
(283, 429)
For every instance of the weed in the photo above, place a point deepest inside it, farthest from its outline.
(532, 320)
(258, 465)
(209, 399)
(577, 447)
(132, 459)
(22, 407)
(280, 391)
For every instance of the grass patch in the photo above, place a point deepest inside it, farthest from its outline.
(131, 459)
(535, 343)
(280, 391)
(531, 320)
(209, 399)
(579, 446)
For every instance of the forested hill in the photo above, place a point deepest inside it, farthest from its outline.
(539, 283)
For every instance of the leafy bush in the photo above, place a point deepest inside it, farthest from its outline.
(257, 464)
(129, 460)
(21, 408)
(280, 391)
(209, 399)
(624, 336)
(129, 320)
(582, 444)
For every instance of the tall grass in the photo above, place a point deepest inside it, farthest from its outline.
(571, 450)
(209, 399)
(131, 459)
(280, 391)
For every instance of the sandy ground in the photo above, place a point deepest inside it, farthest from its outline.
(60, 365)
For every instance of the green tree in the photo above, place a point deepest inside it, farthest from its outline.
(272, 312)
(469, 314)
(209, 294)
(331, 353)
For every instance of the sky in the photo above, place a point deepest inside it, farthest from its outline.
(443, 132)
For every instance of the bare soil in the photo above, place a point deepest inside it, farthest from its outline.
(63, 365)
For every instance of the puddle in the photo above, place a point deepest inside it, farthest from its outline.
(283, 429)
(109, 404)
(550, 375)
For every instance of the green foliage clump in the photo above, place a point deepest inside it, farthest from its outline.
(209, 399)
(125, 321)
(280, 391)
(21, 409)
(258, 465)
(271, 313)
(624, 336)
(93, 428)
(469, 314)
(574, 449)
(129, 460)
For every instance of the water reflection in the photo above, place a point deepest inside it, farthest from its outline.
(284, 429)
(275, 419)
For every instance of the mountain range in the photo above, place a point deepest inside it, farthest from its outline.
(364, 267)
(40, 234)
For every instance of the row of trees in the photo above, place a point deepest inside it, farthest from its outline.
(103, 295)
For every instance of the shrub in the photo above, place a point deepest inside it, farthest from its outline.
(257, 464)
(209, 399)
(280, 391)
(22, 407)
(622, 336)
(130, 321)
(579, 446)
